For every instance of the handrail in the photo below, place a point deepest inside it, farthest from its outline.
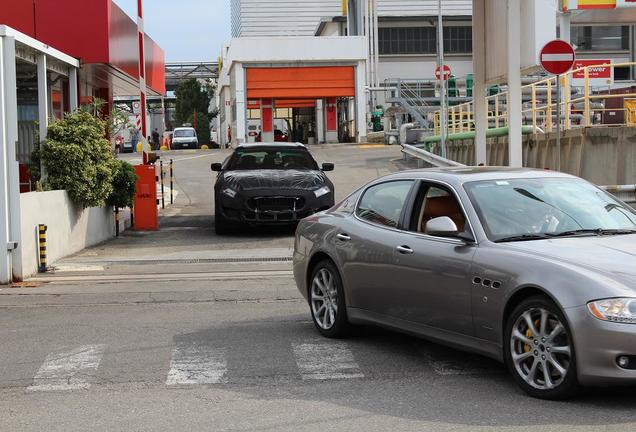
(429, 157)
(581, 107)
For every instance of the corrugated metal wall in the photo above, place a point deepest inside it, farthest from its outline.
(283, 17)
(423, 7)
(301, 17)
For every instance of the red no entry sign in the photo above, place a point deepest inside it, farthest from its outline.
(557, 57)
(447, 72)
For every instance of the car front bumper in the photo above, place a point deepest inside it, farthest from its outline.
(598, 345)
(255, 207)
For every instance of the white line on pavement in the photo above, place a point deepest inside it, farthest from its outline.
(326, 361)
(68, 370)
(170, 276)
(194, 364)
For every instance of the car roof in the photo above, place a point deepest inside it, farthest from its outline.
(461, 175)
(270, 145)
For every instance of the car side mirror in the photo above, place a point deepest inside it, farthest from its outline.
(442, 227)
(217, 167)
(328, 167)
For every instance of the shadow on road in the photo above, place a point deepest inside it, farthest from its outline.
(404, 377)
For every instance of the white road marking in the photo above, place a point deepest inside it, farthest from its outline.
(238, 275)
(76, 268)
(68, 370)
(326, 361)
(194, 364)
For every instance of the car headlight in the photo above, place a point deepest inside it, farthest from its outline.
(229, 192)
(620, 310)
(322, 191)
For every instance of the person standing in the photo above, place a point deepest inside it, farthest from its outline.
(155, 139)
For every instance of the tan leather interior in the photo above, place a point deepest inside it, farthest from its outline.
(435, 207)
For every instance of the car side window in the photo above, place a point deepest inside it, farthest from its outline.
(383, 203)
(434, 202)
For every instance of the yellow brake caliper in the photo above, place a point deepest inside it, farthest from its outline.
(529, 334)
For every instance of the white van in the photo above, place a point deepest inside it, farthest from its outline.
(184, 138)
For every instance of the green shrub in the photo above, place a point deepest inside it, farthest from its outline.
(123, 185)
(78, 158)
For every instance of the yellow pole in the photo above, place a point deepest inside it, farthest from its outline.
(454, 117)
(42, 229)
(461, 118)
(534, 108)
(344, 7)
(548, 113)
(496, 111)
(568, 97)
(586, 111)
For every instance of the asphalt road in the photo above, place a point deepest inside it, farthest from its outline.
(181, 329)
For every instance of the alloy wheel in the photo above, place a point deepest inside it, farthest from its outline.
(324, 299)
(540, 349)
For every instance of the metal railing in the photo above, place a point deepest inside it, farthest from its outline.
(581, 104)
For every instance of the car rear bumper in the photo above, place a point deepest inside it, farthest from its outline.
(598, 345)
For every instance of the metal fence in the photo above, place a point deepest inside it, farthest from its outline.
(582, 105)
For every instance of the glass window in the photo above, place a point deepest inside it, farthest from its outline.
(184, 133)
(272, 158)
(600, 38)
(438, 202)
(407, 40)
(383, 203)
(458, 39)
(546, 207)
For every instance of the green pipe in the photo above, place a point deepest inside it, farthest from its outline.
(502, 131)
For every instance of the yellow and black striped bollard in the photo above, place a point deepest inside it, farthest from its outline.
(42, 239)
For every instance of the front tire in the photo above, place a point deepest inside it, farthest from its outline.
(539, 349)
(327, 301)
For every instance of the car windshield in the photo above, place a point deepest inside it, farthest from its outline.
(184, 133)
(529, 209)
(273, 158)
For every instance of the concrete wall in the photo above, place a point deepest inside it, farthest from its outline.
(70, 228)
(604, 156)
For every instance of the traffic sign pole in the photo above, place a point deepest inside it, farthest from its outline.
(557, 57)
(558, 121)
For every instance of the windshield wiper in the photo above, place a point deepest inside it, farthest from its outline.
(523, 237)
(618, 231)
(596, 231)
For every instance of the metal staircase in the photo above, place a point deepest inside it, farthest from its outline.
(412, 95)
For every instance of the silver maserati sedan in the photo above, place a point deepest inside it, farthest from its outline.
(533, 268)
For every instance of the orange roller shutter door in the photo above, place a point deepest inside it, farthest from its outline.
(301, 82)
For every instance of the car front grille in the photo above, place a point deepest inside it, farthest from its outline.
(276, 204)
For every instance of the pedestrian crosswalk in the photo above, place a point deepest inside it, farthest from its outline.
(196, 363)
(68, 369)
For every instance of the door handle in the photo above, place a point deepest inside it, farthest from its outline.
(405, 250)
(344, 237)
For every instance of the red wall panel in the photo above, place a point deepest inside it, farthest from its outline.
(19, 15)
(155, 66)
(95, 31)
(76, 27)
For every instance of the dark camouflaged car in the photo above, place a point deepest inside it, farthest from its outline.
(275, 183)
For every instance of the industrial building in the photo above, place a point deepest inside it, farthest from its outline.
(403, 51)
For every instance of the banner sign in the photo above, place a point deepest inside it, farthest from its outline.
(599, 75)
(567, 5)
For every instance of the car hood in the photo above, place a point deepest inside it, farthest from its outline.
(614, 256)
(274, 179)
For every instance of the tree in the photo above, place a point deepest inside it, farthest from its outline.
(202, 126)
(191, 97)
(79, 159)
